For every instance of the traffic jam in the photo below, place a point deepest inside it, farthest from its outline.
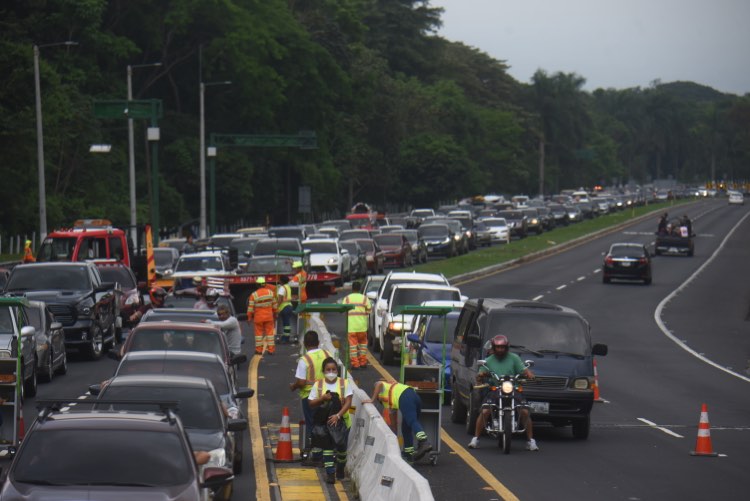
(182, 318)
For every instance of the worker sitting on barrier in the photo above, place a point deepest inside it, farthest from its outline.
(397, 396)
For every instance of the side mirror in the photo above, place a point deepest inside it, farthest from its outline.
(372, 295)
(238, 359)
(600, 350)
(27, 330)
(237, 425)
(414, 338)
(244, 393)
(55, 326)
(528, 363)
(95, 389)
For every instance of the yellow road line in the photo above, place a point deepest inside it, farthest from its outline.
(470, 461)
(300, 484)
(262, 492)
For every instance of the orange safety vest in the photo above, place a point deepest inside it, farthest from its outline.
(301, 279)
(262, 305)
(28, 256)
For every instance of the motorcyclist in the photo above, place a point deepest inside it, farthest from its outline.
(212, 296)
(157, 296)
(503, 363)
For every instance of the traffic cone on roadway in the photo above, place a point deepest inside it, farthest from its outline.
(284, 445)
(597, 396)
(703, 443)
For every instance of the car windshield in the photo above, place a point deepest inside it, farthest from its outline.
(222, 241)
(213, 371)
(418, 296)
(350, 246)
(6, 322)
(195, 406)
(180, 315)
(321, 247)
(205, 263)
(389, 240)
(57, 249)
(422, 212)
(35, 277)
(172, 339)
(354, 234)
(269, 247)
(543, 332)
(143, 458)
(373, 285)
(437, 326)
(511, 214)
(163, 258)
(626, 251)
(411, 235)
(270, 265)
(297, 233)
(433, 231)
(117, 274)
(367, 245)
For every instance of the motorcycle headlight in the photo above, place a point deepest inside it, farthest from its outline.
(581, 383)
(507, 387)
(456, 237)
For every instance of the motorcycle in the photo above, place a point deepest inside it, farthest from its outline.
(504, 419)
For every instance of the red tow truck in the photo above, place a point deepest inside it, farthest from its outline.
(86, 240)
(363, 216)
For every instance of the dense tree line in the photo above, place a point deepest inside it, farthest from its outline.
(401, 115)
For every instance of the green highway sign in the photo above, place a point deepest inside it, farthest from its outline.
(135, 109)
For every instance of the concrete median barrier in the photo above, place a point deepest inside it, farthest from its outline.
(374, 458)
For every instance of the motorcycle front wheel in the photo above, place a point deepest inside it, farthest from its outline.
(507, 433)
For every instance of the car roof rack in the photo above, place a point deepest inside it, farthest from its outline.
(48, 407)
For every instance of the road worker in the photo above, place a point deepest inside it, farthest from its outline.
(286, 311)
(357, 319)
(300, 281)
(309, 370)
(262, 311)
(28, 255)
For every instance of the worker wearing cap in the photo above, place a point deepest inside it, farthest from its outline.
(28, 255)
(300, 280)
(262, 310)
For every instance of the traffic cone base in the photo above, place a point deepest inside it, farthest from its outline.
(284, 445)
(703, 442)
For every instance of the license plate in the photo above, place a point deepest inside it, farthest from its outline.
(539, 407)
(625, 264)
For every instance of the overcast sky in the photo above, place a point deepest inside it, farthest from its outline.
(611, 43)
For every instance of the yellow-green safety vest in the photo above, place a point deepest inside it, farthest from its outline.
(314, 362)
(287, 296)
(390, 393)
(357, 316)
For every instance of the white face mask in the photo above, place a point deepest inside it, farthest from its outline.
(331, 376)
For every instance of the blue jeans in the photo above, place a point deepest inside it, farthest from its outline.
(410, 406)
(286, 321)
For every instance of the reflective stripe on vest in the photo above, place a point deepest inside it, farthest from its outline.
(287, 297)
(314, 363)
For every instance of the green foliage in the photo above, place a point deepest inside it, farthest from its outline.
(402, 116)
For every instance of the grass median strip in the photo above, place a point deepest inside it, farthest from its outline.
(497, 254)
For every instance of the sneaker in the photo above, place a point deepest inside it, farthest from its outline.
(531, 445)
(423, 447)
(474, 444)
(330, 478)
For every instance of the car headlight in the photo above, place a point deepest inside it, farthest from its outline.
(84, 307)
(446, 241)
(581, 383)
(333, 260)
(5, 354)
(396, 326)
(534, 221)
(507, 387)
(218, 457)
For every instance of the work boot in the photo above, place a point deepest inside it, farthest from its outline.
(330, 478)
(423, 447)
(340, 471)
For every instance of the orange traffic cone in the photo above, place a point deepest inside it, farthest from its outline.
(284, 445)
(703, 443)
(597, 396)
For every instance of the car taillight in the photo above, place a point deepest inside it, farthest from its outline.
(609, 261)
(643, 260)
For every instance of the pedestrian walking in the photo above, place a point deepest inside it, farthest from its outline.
(262, 311)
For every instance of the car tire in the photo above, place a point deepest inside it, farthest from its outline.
(581, 428)
(94, 349)
(237, 461)
(606, 279)
(458, 409)
(30, 384)
(47, 371)
(63, 369)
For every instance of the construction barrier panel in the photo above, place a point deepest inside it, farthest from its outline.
(374, 461)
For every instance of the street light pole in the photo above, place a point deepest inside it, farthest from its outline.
(40, 139)
(202, 154)
(131, 152)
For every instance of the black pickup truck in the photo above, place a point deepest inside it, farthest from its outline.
(76, 296)
(677, 238)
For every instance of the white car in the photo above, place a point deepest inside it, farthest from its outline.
(395, 325)
(499, 229)
(200, 264)
(326, 255)
(736, 198)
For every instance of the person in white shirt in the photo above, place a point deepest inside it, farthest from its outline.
(230, 327)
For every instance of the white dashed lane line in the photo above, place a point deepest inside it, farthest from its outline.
(580, 278)
(660, 428)
(561, 287)
(540, 296)
(597, 270)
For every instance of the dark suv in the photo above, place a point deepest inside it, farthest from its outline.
(556, 338)
(70, 455)
(75, 294)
